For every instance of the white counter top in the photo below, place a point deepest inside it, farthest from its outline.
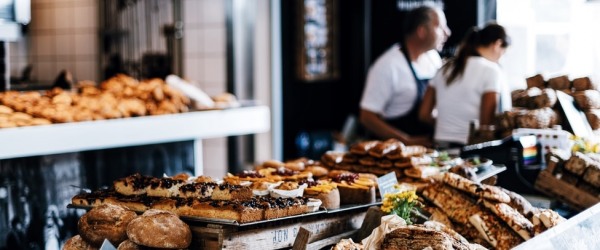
(82, 136)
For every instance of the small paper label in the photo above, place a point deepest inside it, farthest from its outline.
(386, 183)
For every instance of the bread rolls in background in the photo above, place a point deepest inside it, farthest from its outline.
(106, 221)
(159, 229)
(536, 81)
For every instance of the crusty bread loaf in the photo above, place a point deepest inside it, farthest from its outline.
(480, 190)
(518, 202)
(593, 117)
(546, 99)
(582, 83)
(128, 245)
(578, 163)
(512, 218)
(536, 81)
(592, 174)
(420, 237)
(550, 218)
(559, 82)
(588, 99)
(106, 221)
(455, 204)
(537, 118)
(160, 229)
(77, 243)
(347, 244)
(538, 226)
(317, 171)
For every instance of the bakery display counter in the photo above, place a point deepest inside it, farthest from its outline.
(103, 134)
(281, 233)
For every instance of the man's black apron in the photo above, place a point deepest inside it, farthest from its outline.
(410, 123)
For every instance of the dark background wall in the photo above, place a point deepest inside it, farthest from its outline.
(366, 28)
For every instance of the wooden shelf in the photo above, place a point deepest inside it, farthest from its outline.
(82, 136)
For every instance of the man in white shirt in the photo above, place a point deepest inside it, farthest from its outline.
(397, 80)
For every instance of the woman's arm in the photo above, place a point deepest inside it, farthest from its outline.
(427, 106)
(487, 111)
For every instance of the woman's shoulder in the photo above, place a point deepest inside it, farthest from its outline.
(479, 61)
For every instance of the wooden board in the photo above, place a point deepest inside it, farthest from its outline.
(276, 235)
(564, 191)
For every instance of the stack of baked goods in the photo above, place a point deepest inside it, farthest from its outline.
(125, 229)
(196, 197)
(410, 163)
(535, 107)
(488, 215)
(118, 97)
(10, 118)
(574, 178)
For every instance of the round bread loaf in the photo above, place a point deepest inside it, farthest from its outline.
(295, 165)
(273, 164)
(317, 171)
(77, 243)
(128, 245)
(106, 221)
(160, 229)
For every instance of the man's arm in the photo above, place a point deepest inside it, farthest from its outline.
(375, 124)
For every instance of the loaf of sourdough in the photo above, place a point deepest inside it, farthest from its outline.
(592, 174)
(593, 117)
(587, 99)
(159, 229)
(479, 190)
(128, 245)
(77, 243)
(536, 81)
(559, 82)
(106, 221)
(512, 218)
(578, 163)
(582, 83)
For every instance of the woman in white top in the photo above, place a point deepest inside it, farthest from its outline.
(469, 86)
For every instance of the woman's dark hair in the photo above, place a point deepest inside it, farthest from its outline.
(468, 47)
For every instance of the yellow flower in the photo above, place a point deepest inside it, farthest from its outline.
(400, 203)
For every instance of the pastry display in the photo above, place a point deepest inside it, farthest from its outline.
(118, 97)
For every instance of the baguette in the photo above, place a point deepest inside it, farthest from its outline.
(480, 190)
(514, 219)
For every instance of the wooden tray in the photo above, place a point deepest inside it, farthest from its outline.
(564, 192)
